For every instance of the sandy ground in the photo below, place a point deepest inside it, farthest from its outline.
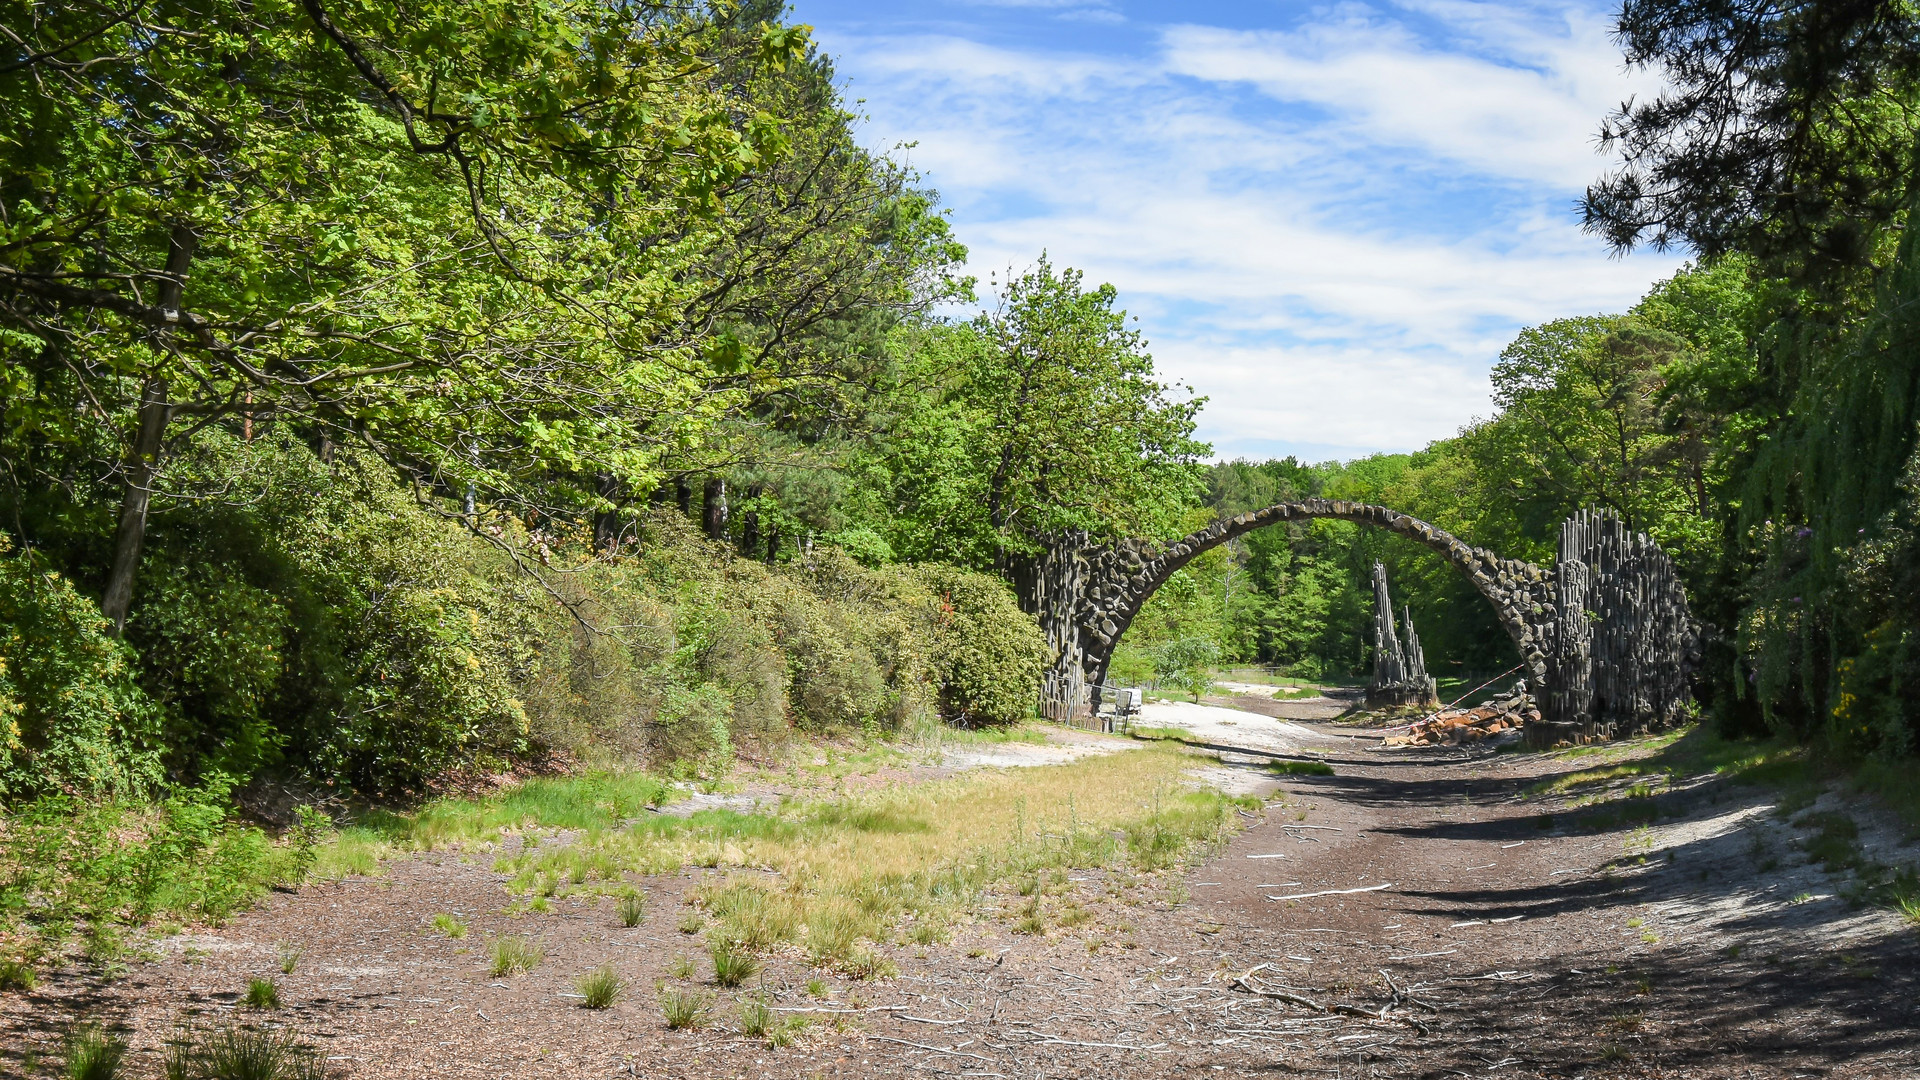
(1506, 934)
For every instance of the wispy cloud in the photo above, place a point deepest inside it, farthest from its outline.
(1328, 228)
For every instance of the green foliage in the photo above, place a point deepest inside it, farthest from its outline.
(733, 963)
(631, 908)
(262, 994)
(71, 715)
(1040, 416)
(66, 865)
(984, 656)
(689, 1009)
(1184, 664)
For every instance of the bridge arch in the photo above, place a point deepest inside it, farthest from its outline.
(1086, 593)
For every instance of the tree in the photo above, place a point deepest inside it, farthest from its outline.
(1040, 417)
(1787, 131)
(457, 235)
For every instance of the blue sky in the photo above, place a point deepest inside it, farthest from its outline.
(1328, 218)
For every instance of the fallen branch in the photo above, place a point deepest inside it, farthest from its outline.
(1333, 892)
(1243, 982)
(935, 1049)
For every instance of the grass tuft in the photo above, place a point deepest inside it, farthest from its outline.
(685, 1009)
(92, 1054)
(514, 955)
(241, 1054)
(680, 967)
(18, 975)
(632, 908)
(263, 994)
(600, 988)
(289, 958)
(867, 964)
(733, 963)
(449, 926)
(757, 1018)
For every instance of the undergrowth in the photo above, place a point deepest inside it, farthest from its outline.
(89, 872)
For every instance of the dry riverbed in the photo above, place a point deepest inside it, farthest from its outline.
(1419, 913)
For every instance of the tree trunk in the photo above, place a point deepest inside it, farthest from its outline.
(715, 509)
(149, 441)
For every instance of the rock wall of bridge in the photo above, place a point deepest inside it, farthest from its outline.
(1086, 593)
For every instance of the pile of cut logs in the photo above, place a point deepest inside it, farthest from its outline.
(1455, 726)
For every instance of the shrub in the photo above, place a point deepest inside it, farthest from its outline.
(72, 716)
(514, 955)
(600, 988)
(985, 655)
(18, 975)
(756, 1017)
(66, 864)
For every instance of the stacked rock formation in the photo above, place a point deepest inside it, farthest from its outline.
(1399, 667)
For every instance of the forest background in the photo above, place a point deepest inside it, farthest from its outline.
(396, 394)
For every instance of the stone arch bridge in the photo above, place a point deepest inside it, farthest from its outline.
(1605, 636)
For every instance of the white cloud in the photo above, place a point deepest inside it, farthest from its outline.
(1335, 258)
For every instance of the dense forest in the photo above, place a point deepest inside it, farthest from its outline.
(393, 393)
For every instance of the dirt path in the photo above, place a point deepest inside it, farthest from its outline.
(1522, 936)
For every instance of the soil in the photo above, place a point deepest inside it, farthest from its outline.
(1523, 937)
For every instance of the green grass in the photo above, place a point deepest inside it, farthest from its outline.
(1299, 768)
(1835, 843)
(449, 925)
(756, 1017)
(18, 975)
(631, 909)
(232, 1053)
(514, 955)
(985, 736)
(289, 958)
(733, 963)
(600, 988)
(685, 1009)
(93, 1054)
(592, 802)
(1297, 692)
(1158, 734)
(262, 994)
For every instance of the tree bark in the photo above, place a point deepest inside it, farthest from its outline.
(715, 508)
(149, 441)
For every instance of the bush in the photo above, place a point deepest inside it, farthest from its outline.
(92, 1054)
(232, 1053)
(685, 1008)
(72, 717)
(987, 657)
